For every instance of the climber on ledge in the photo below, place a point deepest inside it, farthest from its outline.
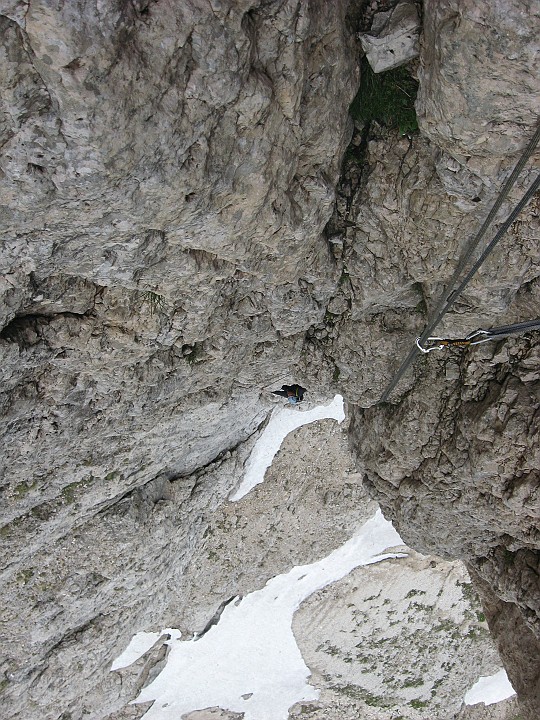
(293, 393)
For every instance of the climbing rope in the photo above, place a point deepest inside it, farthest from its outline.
(478, 336)
(450, 295)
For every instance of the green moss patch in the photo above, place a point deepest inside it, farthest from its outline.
(386, 97)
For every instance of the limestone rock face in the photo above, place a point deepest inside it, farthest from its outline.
(412, 630)
(166, 172)
(478, 102)
(181, 233)
(442, 458)
(393, 39)
(453, 456)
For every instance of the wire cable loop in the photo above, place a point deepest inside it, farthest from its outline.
(451, 293)
(477, 337)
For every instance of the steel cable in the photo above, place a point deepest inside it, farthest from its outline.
(523, 327)
(450, 296)
(477, 337)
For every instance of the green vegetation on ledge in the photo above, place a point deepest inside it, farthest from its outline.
(387, 97)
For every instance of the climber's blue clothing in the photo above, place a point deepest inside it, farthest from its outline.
(293, 393)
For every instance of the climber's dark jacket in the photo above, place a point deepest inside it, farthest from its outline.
(293, 393)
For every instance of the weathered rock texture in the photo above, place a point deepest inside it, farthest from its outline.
(393, 37)
(410, 641)
(404, 637)
(453, 458)
(467, 465)
(167, 170)
(171, 249)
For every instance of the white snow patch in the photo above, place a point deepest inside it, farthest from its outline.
(141, 644)
(249, 662)
(489, 690)
(281, 423)
(252, 650)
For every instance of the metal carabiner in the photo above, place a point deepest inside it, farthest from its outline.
(429, 349)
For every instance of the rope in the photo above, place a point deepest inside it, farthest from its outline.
(449, 297)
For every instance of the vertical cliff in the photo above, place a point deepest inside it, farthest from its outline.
(189, 219)
(167, 170)
(453, 456)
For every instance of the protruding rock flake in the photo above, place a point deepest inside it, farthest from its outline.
(394, 37)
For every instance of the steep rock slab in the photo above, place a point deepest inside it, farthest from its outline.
(479, 77)
(453, 458)
(166, 172)
(407, 638)
(138, 301)
(455, 466)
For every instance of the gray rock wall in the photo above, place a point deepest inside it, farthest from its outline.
(166, 172)
(453, 456)
(173, 246)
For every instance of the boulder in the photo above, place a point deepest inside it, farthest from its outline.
(393, 39)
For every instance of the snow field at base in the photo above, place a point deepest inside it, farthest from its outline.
(490, 690)
(250, 662)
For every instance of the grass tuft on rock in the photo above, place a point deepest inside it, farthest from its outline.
(386, 97)
(155, 302)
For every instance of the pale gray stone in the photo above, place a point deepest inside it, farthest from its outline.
(180, 236)
(393, 39)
